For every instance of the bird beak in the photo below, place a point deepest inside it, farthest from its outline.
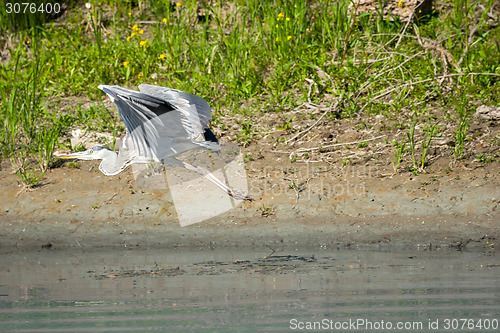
(79, 155)
(111, 94)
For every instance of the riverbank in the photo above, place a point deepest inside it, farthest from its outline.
(78, 208)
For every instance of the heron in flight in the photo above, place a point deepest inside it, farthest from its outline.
(161, 124)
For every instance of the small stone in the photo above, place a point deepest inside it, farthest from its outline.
(488, 112)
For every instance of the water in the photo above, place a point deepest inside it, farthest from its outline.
(364, 290)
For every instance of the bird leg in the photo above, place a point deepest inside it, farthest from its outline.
(208, 175)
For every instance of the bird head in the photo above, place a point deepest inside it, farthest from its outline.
(110, 92)
(95, 153)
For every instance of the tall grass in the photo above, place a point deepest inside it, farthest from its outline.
(30, 133)
(460, 132)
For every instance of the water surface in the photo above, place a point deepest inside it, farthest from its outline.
(363, 289)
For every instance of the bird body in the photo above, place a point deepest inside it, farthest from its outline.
(161, 124)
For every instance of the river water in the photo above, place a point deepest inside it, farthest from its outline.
(363, 289)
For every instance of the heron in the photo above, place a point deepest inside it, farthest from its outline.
(161, 123)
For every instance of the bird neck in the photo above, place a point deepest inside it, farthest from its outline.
(109, 165)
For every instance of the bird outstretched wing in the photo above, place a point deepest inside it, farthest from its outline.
(141, 115)
(195, 111)
(158, 116)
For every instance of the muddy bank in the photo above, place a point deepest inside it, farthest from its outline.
(81, 208)
(277, 234)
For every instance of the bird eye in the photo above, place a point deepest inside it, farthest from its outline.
(91, 151)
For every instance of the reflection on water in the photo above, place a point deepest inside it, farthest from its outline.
(179, 290)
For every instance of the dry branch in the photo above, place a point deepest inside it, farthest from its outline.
(300, 150)
(317, 121)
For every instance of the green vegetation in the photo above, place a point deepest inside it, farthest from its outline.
(461, 131)
(430, 131)
(486, 159)
(30, 131)
(266, 211)
(244, 57)
(400, 149)
(362, 144)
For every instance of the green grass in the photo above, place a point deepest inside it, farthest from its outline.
(399, 151)
(31, 132)
(461, 130)
(259, 52)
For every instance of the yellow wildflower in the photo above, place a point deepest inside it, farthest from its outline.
(125, 64)
(288, 19)
(161, 57)
(400, 3)
(178, 4)
(141, 31)
(130, 14)
(164, 20)
(277, 38)
(131, 36)
(139, 75)
(277, 25)
(289, 37)
(135, 27)
(280, 16)
(143, 43)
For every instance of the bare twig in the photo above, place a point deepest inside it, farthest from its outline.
(107, 202)
(363, 61)
(339, 144)
(311, 105)
(361, 90)
(311, 82)
(80, 245)
(148, 22)
(317, 121)
(388, 91)
(404, 30)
